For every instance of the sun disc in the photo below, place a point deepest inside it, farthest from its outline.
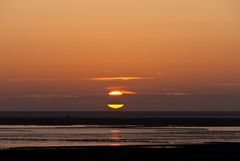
(115, 93)
(115, 106)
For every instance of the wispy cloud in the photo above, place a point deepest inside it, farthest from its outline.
(127, 92)
(48, 96)
(81, 78)
(43, 79)
(121, 89)
(226, 84)
(19, 79)
(119, 78)
(169, 93)
(176, 94)
(55, 96)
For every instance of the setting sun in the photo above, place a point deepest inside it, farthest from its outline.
(115, 106)
(120, 79)
(115, 93)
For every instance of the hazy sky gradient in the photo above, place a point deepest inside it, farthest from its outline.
(56, 48)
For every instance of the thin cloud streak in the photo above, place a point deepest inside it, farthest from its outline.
(119, 78)
(169, 93)
(127, 92)
(55, 96)
(43, 79)
(79, 78)
(227, 84)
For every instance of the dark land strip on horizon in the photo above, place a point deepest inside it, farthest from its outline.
(177, 118)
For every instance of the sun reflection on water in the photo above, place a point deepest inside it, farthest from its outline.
(115, 137)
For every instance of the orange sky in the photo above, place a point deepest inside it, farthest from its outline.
(183, 46)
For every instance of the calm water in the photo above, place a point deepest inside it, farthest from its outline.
(99, 135)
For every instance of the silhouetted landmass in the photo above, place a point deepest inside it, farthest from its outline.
(121, 118)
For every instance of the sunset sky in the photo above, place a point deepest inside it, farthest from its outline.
(164, 54)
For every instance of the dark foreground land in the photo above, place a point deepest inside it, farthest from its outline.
(213, 152)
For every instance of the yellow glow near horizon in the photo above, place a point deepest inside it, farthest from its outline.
(119, 78)
(115, 93)
(115, 106)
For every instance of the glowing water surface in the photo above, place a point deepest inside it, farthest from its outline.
(99, 135)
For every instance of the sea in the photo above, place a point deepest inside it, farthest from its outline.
(31, 129)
